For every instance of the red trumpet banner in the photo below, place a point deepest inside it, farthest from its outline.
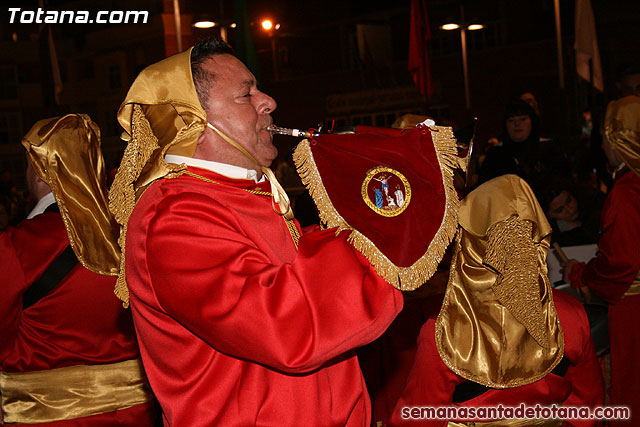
(393, 188)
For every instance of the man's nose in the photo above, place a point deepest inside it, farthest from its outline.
(267, 104)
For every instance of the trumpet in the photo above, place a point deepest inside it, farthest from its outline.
(291, 132)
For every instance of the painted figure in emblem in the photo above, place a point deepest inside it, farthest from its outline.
(378, 194)
(399, 196)
(384, 179)
(391, 203)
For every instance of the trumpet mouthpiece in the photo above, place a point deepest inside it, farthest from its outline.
(291, 132)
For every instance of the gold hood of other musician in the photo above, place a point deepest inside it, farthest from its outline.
(498, 325)
(65, 153)
(622, 128)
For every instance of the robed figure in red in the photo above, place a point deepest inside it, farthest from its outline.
(503, 335)
(614, 274)
(242, 317)
(68, 353)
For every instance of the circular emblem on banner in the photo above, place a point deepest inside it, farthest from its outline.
(386, 191)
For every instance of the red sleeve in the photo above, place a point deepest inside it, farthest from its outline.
(587, 386)
(612, 271)
(22, 261)
(209, 276)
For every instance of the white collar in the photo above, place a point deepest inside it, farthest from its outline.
(230, 171)
(44, 202)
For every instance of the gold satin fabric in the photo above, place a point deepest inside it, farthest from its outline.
(65, 153)
(167, 96)
(634, 289)
(72, 392)
(161, 114)
(509, 423)
(498, 325)
(407, 120)
(622, 128)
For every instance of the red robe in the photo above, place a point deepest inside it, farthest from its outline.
(432, 383)
(237, 327)
(609, 275)
(79, 322)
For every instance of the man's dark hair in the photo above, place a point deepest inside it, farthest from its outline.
(203, 50)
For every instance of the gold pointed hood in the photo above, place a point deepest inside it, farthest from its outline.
(65, 153)
(161, 114)
(498, 325)
(622, 128)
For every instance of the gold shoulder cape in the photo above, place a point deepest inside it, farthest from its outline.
(498, 325)
(161, 114)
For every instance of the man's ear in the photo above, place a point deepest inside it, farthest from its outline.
(202, 137)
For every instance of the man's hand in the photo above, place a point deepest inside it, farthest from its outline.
(566, 269)
(584, 291)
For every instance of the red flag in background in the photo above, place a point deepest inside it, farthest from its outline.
(419, 33)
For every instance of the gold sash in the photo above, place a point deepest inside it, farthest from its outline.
(634, 289)
(72, 392)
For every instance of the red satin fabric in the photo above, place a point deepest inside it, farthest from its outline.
(238, 328)
(432, 383)
(79, 322)
(609, 275)
(343, 162)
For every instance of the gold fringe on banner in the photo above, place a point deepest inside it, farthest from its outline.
(402, 278)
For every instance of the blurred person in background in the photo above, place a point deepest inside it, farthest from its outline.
(573, 212)
(521, 151)
(614, 274)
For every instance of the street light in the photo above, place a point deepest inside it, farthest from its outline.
(203, 22)
(450, 26)
(474, 27)
(463, 42)
(270, 28)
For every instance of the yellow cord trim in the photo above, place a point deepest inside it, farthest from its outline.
(402, 278)
(280, 196)
(291, 225)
